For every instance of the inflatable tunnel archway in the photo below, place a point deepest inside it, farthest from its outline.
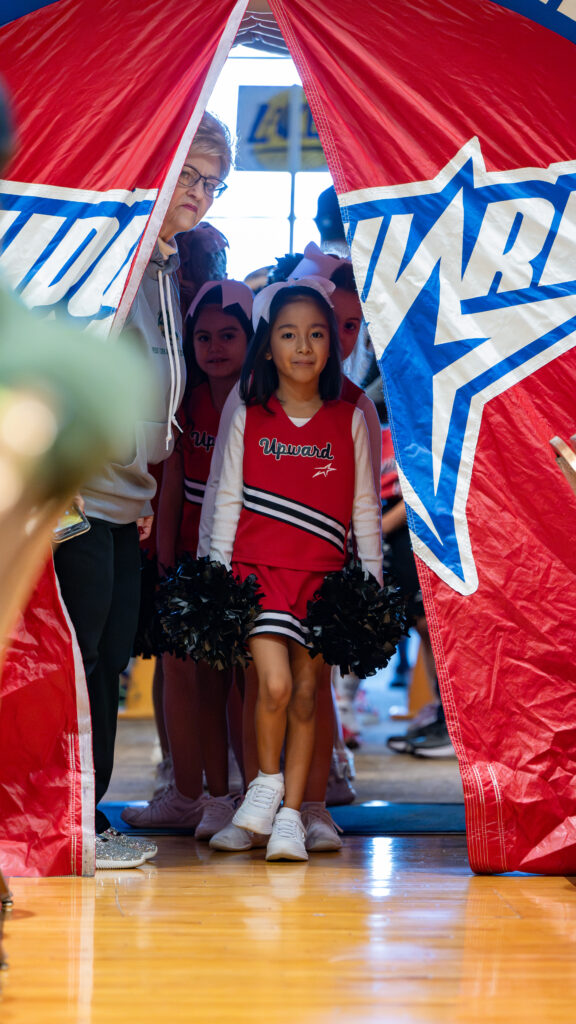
(448, 129)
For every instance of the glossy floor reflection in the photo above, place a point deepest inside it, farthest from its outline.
(392, 930)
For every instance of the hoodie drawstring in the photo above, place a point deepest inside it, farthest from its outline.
(173, 354)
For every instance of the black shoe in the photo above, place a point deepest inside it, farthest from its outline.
(433, 741)
(404, 744)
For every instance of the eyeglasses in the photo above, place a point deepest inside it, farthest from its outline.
(213, 187)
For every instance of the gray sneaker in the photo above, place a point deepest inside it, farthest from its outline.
(114, 852)
(146, 846)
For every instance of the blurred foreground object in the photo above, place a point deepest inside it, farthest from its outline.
(68, 403)
(566, 458)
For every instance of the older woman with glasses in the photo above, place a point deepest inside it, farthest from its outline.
(99, 572)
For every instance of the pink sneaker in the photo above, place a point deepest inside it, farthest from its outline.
(167, 810)
(218, 813)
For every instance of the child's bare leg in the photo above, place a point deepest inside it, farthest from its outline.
(249, 744)
(306, 674)
(213, 687)
(181, 715)
(272, 664)
(323, 741)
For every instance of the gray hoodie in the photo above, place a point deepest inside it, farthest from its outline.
(121, 493)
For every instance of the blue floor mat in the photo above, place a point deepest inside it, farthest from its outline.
(372, 819)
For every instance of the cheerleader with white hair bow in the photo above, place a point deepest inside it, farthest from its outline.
(296, 472)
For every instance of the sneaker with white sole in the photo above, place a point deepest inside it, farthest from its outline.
(288, 839)
(167, 810)
(218, 812)
(146, 847)
(433, 741)
(258, 809)
(112, 853)
(233, 839)
(321, 831)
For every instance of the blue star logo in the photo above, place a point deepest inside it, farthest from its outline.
(469, 285)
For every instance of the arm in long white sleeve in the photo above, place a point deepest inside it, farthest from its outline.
(366, 508)
(208, 504)
(228, 504)
(374, 436)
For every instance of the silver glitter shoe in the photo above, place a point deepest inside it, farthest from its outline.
(115, 850)
(145, 846)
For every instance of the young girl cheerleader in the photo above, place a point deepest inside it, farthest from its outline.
(328, 779)
(195, 696)
(296, 472)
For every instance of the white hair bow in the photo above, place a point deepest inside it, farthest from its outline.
(263, 300)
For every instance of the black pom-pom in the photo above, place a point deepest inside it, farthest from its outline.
(354, 623)
(206, 612)
(149, 639)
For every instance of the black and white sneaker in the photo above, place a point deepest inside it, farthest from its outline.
(427, 716)
(433, 741)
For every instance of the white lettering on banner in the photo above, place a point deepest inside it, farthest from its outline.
(469, 286)
(568, 8)
(71, 248)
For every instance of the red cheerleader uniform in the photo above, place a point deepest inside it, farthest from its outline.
(298, 493)
(199, 420)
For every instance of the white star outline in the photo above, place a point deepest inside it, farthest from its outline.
(324, 470)
(496, 331)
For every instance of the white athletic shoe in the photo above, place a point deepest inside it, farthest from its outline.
(258, 809)
(321, 831)
(218, 812)
(288, 839)
(233, 839)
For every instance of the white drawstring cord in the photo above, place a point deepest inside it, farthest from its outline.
(177, 363)
(173, 356)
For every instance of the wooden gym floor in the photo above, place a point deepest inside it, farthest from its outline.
(390, 930)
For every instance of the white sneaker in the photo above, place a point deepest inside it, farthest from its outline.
(233, 839)
(167, 810)
(288, 839)
(321, 831)
(262, 800)
(218, 812)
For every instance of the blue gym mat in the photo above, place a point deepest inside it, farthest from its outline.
(376, 818)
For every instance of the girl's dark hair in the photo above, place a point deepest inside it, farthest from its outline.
(343, 277)
(259, 377)
(284, 266)
(213, 297)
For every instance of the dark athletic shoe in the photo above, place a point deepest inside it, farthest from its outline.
(434, 741)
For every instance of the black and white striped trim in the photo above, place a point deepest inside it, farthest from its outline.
(194, 490)
(286, 510)
(283, 623)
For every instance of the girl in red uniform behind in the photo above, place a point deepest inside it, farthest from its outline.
(296, 472)
(195, 696)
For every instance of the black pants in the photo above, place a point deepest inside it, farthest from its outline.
(99, 576)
